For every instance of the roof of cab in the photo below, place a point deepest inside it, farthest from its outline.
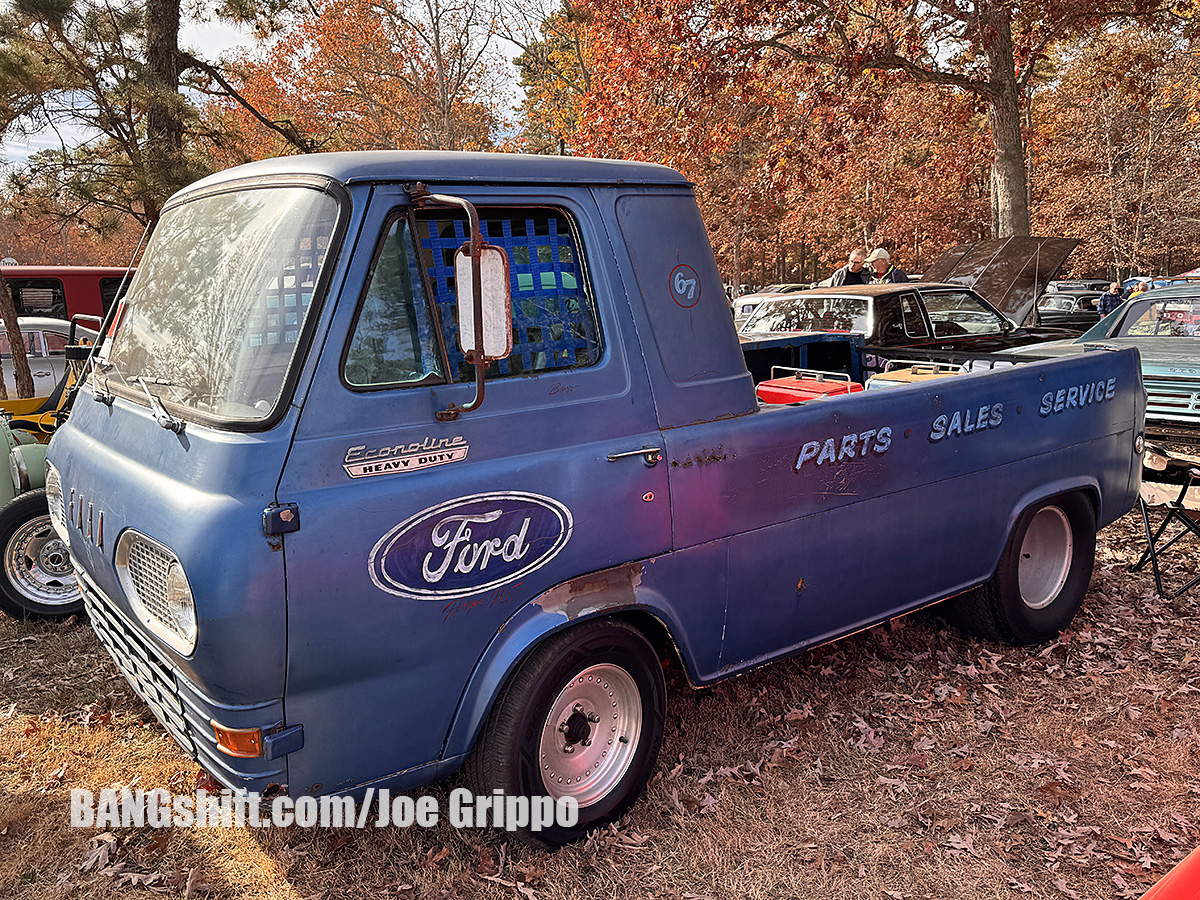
(441, 167)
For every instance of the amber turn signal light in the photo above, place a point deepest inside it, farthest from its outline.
(244, 743)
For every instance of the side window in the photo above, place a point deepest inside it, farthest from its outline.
(39, 297)
(30, 343)
(554, 318)
(914, 325)
(112, 290)
(393, 339)
(958, 312)
(55, 343)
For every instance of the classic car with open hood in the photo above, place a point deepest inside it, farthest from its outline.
(973, 299)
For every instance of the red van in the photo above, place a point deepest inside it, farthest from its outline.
(64, 291)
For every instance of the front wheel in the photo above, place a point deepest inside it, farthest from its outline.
(1041, 579)
(582, 718)
(36, 579)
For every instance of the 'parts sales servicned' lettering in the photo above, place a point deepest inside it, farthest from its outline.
(967, 421)
(848, 446)
(1077, 397)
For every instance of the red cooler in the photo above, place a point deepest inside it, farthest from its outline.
(804, 384)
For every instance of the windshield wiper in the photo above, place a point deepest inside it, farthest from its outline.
(161, 416)
(104, 394)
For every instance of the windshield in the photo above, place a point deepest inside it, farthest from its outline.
(1166, 318)
(805, 313)
(214, 314)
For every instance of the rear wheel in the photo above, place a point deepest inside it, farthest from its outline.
(581, 718)
(1041, 579)
(36, 578)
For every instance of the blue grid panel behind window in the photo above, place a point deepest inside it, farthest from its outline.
(554, 323)
(287, 296)
(429, 350)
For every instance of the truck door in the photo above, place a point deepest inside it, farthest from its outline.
(419, 538)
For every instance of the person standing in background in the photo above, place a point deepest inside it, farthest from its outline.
(883, 272)
(1110, 299)
(853, 272)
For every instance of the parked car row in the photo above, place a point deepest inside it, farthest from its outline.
(943, 311)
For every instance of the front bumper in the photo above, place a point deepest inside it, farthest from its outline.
(183, 709)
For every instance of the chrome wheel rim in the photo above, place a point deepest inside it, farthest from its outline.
(1046, 553)
(591, 734)
(38, 566)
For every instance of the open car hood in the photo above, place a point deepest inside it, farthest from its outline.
(1010, 273)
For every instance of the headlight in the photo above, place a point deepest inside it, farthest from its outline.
(180, 605)
(54, 497)
(158, 590)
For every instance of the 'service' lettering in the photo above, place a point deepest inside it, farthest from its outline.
(1077, 397)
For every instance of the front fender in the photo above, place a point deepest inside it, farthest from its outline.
(601, 593)
(27, 463)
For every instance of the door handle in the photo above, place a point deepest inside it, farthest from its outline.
(650, 455)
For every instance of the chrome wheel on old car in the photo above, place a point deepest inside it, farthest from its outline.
(36, 579)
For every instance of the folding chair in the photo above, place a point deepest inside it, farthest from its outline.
(1179, 510)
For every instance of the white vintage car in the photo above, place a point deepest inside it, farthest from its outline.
(45, 339)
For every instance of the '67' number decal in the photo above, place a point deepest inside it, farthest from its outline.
(685, 286)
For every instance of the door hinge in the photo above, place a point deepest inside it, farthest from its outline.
(281, 519)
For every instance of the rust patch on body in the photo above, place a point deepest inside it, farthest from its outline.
(592, 593)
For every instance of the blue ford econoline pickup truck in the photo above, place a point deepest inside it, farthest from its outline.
(391, 463)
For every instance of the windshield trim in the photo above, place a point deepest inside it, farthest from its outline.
(307, 332)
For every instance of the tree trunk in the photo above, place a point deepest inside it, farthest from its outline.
(164, 130)
(1010, 195)
(22, 377)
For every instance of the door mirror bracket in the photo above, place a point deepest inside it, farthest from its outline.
(483, 295)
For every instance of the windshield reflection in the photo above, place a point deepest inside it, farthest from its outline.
(215, 312)
(804, 313)
(1166, 318)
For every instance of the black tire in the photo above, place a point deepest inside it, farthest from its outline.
(36, 578)
(552, 702)
(1041, 579)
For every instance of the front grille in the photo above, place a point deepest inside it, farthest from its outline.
(148, 567)
(1170, 397)
(146, 673)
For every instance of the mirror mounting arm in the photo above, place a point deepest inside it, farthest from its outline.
(421, 196)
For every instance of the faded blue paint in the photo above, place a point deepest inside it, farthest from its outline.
(738, 541)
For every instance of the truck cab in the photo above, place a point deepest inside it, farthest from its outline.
(331, 561)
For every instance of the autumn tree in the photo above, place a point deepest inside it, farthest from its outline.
(1116, 142)
(554, 67)
(987, 49)
(376, 74)
(894, 164)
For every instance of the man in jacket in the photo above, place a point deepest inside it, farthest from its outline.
(882, 270)
(1110, 299)
(853, 272)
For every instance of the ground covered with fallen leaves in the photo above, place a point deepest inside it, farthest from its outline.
(908, 761)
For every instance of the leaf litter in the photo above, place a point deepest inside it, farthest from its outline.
(907, 761)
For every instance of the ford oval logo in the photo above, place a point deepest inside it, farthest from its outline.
(469, 545)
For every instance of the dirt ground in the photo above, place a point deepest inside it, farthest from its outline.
(904, 762)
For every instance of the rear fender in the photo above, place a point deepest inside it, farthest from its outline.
(617, 591)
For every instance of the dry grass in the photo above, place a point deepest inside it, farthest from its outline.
(904, 762)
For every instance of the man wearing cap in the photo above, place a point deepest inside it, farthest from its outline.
(853, 272)
(882, 270)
